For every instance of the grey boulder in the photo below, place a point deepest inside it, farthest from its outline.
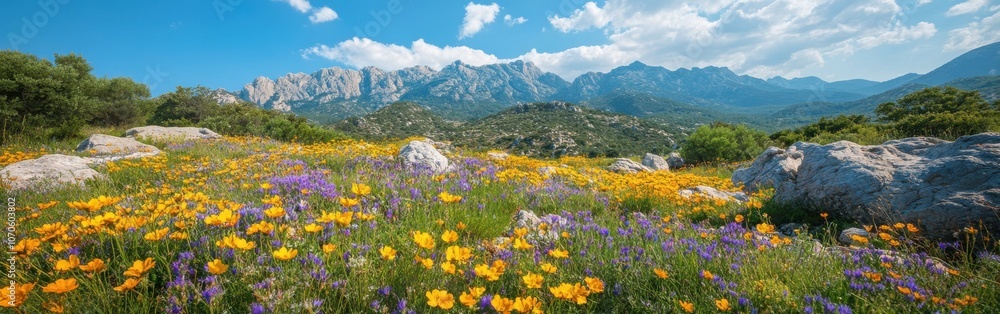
(423, 155)
(655, 162)
(48, 171)
(713, 193)
(939, 185)
(845, 236)
(675, 161)
(625, 165)
(160, 133)
(113, 147)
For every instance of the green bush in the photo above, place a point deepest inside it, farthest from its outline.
(724, 142)
(944, 112)
(39, 98)
(186, 106)
(854, 128)
(245, 119)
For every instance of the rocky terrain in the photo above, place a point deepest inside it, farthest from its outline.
(938, 185)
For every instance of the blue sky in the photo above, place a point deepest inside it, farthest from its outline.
(227, 43)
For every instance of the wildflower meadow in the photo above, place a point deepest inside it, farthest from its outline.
(250, 225)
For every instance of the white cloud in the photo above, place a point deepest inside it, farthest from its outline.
(301, 5)
(898, 35)
(975, 34)
(316, 16)
(760, 37)
(362, 52)
(763, 37)
(511, 21)
(324, 14)
(589, 16)
(477, 16)
(966, 7)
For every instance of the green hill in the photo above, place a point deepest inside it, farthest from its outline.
(398, 120)
(553, 129)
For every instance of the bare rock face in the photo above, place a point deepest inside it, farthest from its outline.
(48, 171)
(424, 155)
(655, 162)
(941, 186)
(675, 161)
(625, 165)
(171, 133)
(774, 167)
(845, 236)
(114, 147)
(714, 193)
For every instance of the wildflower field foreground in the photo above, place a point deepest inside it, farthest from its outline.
(251, 225)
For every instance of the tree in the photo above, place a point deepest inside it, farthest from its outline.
(38, 96)
(941, 112)
(724, 142)
(123, 102)
(186, 106)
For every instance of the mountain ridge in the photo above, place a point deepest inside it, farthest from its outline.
(467, 92)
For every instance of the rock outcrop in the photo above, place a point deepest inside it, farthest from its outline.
(655, 162)
(113, 147)
(772, 168)
(625, 165)
(941, 186)
(422, 154)
(675, 161)
(160, 133)
(714, 193)
(48, 171)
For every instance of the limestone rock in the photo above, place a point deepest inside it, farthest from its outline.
(114, 147)
(845, 236)
(675, 161)
(171, 133)
(497, 156)
(625, 165)
(775, 166)
(423, 155)
(48, 171)
(529, 220)
(655, 162)
(938, 185)
(714, 193)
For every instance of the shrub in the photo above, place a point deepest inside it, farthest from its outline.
(724, 142)
(245, 119)
(945, 112)
(184, 107)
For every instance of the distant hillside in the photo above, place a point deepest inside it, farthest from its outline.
(988, 86)
(665, 111)
(399, 120)
(982, 61)
(557, 128)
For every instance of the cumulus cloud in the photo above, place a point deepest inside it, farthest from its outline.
(975, 34)
(762, 38)
(477, 16)
(361, 52)
(324, 14)
(511, 21)
(754, 37)
(966, 7)
(590, 16)
(301, 5)
(316, 16)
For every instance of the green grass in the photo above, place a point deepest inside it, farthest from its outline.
(618, 242)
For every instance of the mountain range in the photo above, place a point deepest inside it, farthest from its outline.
(465, 92)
